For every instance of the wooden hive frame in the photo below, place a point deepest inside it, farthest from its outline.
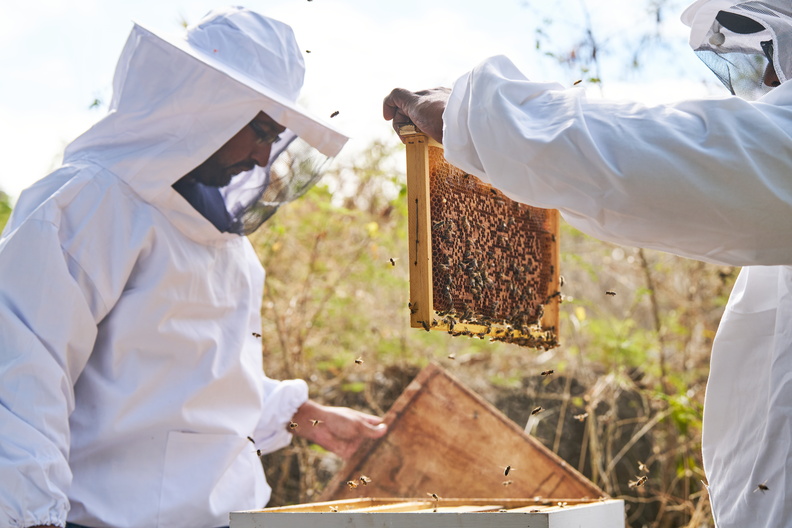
(526, 314)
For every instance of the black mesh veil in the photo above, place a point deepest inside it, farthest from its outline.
(742, 39)
(740, 71)
(254, 196)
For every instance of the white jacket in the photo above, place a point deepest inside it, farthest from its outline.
(706, 179)
(130, 377)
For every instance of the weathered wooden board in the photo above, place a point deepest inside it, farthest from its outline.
(445, 439)
(443, 513)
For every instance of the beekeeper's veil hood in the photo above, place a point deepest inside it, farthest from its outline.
(737, 39)
(177, 100)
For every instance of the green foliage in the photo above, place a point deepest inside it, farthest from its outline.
(5, 209)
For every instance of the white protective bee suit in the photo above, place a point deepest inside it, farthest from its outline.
(130, 377)
(706, 179)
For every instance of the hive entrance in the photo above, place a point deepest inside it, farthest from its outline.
(481, 264)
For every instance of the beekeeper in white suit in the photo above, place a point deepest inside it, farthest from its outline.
(707, 179)
(130, 373)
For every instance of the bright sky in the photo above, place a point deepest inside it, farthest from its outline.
(57, 56)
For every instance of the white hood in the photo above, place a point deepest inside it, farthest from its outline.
(177, 100)
(737, 38)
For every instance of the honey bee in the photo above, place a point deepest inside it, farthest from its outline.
(334, 113)
(307, 51)
(507, 470)
(333, 509)
(611, 293)
(638, 482)
(537, 410)
(581, 417)
(425, 325)
(352, 484)
(562, 504)
(364, 480)
(434, 496)
(573, 84)
(256, 335)
(551, 297)
(251, 440)
(546, 373)
(293, 425)
(642, 467)
(507, 482)
(359, 361)
(451, 356)
(393, 261)
(762, 487)
(314, 423)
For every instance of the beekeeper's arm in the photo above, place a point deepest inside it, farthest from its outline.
(288, 411)
(337, 429)
(47, 331)
(706, 179)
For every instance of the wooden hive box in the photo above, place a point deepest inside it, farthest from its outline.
(481, 264)
(443, 438)
(442, 513)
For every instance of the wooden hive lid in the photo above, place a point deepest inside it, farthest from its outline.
(445, 439)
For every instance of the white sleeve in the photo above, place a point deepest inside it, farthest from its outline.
(281, 401)
(47, 332)
(707, 179)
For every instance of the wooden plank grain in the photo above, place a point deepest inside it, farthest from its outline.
(419, 231)
(446, 440)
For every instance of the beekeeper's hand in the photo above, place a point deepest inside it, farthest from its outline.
(424, 109)
(337, 429)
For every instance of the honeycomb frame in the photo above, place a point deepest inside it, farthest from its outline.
(481, 265)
